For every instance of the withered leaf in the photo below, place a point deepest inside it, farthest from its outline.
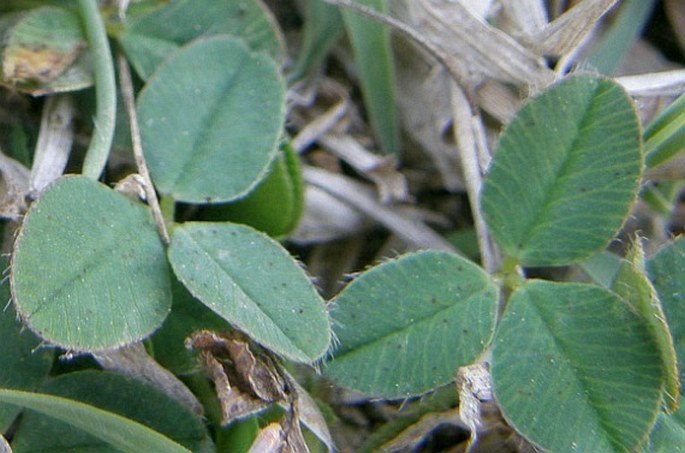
(23, 64)
(248, 379)
(268, 440)
(39, 45)
(245, 383)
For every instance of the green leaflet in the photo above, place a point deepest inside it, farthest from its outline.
(405, 326)
(253, 283)
(565, 173)
(211, 119)
(575, 369)
(89, 271)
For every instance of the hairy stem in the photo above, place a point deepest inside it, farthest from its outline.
(105, 90)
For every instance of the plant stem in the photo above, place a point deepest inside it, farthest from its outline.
(467, 127)
(105, 90)
(129, 103)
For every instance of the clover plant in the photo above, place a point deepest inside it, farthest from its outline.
(590, 365)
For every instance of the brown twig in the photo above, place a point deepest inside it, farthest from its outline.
(129, 103)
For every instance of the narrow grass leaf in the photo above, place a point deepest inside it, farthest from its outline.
(323, 27)
(574, 368)
(252, 282)
(665, 136)
(405, 326)
(210, 118)
(89, 270)
(121, 433)
(117, 394)
(373, 56)
(619, 38)
(565, 173)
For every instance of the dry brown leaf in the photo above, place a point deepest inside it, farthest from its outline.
(666, 83)
(523, 17)
(486, 51)
(475, 387)
(425, 110)
(268, 440)
(43, 64)
(411, 230)
(248, 380)
(245, 383)
(133, 186)
(569, 31)
(499, 100)
(309, 414)
(326, 219)
(391, 184)
(319, 126)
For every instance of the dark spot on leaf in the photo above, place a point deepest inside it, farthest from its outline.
(434, 300)
(300, 311)
(399, 346)
(444, 321)
(465, 331)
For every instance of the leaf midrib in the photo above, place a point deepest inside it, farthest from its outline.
(249, 297)
(551, 192)
(425, 320)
